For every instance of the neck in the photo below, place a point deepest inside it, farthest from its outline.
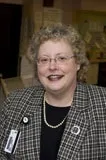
(61, 99)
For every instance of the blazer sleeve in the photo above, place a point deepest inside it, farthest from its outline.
(3, 125)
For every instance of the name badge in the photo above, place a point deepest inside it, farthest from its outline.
(12, 141)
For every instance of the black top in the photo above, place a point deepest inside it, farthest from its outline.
(51, 137)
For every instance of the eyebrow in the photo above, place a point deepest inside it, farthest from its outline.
(60, 53)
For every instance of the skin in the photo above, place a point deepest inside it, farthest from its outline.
(59, 80)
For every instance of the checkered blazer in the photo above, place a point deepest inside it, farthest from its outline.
(84, 136)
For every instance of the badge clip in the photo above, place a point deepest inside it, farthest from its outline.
(12, 141)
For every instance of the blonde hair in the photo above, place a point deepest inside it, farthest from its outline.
(57, 32)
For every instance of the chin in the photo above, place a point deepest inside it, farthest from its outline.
(55, 90)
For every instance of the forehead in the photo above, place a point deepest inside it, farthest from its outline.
(54, 46)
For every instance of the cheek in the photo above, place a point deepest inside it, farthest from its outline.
(71, 68)
(41, 71)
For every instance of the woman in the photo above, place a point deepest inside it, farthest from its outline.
(64, 118)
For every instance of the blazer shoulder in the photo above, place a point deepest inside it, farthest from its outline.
(18, 99)
(92, 92)
(96, 90)
(96, 94)
(25, 93)
(20, 102)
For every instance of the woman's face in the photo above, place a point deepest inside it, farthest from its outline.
(57, 69)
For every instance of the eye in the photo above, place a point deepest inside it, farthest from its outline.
(62, 58)
(43, 60)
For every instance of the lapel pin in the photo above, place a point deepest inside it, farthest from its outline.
(75, 130)
(25, 120)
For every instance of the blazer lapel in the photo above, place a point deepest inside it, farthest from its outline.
(35, 109)
(32, 130)
(76, 126)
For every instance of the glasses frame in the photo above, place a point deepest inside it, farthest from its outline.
(56, 60)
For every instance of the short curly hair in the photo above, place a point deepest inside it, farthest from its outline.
(57, 32)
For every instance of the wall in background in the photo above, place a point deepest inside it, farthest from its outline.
(96, 5)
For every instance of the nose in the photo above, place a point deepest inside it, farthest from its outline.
(53, 64)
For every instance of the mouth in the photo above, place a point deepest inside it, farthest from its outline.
(55, 77)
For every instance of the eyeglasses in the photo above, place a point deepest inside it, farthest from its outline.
(60, 60)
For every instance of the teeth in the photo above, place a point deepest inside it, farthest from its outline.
(54, 76)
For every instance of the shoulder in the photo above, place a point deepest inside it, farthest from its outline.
(92, 93)
(96, 91)
(93, 89)
(25, 93)
(95, 95)
(21, 98)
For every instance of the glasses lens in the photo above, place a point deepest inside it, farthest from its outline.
(43, 60)
(62, 59)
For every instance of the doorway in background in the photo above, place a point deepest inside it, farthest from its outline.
(10, 26)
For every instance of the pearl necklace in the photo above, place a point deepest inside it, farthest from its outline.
(44, 114)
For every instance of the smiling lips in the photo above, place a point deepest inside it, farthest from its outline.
(54, 77)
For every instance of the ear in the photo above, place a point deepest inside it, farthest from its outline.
(78, 67)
